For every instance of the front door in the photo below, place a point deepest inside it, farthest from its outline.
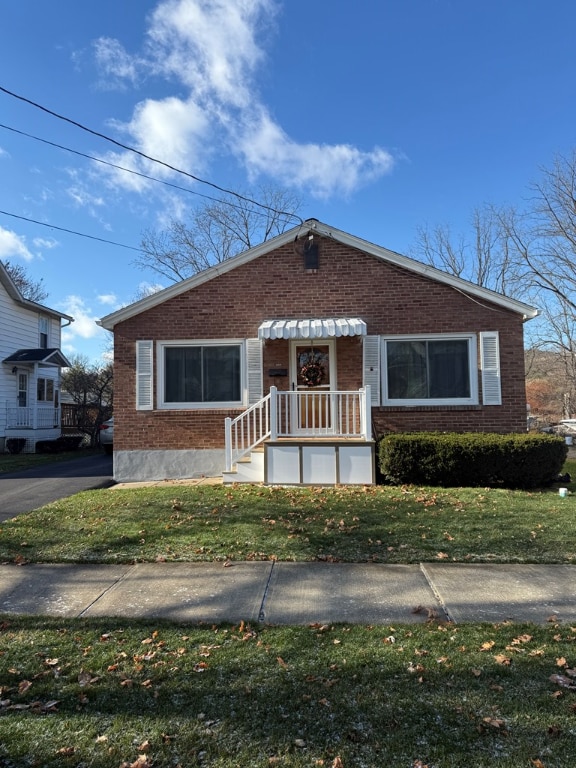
(313, 377)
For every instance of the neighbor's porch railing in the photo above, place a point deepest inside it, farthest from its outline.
(30, 417)
(304, 414)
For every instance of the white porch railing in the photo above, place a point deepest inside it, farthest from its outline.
(298, 414)
(30, 417)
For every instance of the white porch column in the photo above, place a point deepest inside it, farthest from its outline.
(228, 443)
(273, 413)
(366, 412)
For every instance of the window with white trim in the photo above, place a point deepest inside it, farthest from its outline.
(45, 390)
(43, 328)
(201, 374)
(430, 370)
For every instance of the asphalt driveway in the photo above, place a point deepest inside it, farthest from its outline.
(32, 488)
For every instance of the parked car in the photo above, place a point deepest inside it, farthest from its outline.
(107, 435)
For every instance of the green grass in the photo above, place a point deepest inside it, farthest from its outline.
(370, 524)
(111, 693)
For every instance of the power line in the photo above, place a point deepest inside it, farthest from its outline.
(148, 157)
(126, 170)
(71, 231)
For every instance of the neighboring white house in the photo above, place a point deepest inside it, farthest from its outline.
(30, 369)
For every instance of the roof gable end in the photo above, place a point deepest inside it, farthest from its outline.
(323, 230)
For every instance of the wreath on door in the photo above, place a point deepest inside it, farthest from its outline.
(312, 374)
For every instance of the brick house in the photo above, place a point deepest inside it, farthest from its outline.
(284, 363)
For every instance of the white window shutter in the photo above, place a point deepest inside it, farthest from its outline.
(254, 370)
(371, 366)
(144, 376)
(490, 365)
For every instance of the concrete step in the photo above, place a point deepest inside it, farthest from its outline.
(250, 469)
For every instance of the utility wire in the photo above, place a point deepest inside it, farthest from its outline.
(70, 231)
(128, 170)
(148, 157)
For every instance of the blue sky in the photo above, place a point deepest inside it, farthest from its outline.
(383, 116)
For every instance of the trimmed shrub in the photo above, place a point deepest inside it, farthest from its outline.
(60, 444)
(15, 444)
(471, 459)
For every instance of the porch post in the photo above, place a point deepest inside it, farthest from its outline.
(366, 412)
(273, 413)
(228, 443)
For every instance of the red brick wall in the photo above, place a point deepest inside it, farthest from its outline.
(349, 283)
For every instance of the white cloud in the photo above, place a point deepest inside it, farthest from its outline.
(148, 289)
(324, 169)
(84, 199)
(210, 45)
(114, 61)
(172, 130)
(4, 153)
(84, 324)
(109, 299)
(45, 243)
(13, 245)
(212, 49)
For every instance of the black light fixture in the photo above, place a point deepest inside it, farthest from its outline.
(311, 260)
(15, 370)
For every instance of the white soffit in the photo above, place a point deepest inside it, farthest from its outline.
(332, 327)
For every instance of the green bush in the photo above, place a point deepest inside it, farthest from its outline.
(59, 444)
(471, 459)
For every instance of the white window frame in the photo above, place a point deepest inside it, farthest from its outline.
(43, 330)
(472, 367)
(162, 345)
(45, 387)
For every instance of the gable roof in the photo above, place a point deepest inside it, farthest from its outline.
(324, 230)
(14, 292)
(45, 356)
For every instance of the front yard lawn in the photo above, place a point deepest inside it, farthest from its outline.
(216, 523)
(113, 693)
(117, 694)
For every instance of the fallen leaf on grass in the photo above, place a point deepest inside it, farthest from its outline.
(86, 678)
(23, 686)
(500, 658)
(66, 751)
(521, 639)
(145, 746)
(494, 722)
(565, 682)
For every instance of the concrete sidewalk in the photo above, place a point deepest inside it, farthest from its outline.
(294, 593)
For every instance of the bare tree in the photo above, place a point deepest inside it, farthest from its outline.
(543, 239)
(215, 232)
(529, 254)
(482, 257)
(91, 387)
(31, 289)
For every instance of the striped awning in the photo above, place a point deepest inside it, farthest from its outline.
(331, 327)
